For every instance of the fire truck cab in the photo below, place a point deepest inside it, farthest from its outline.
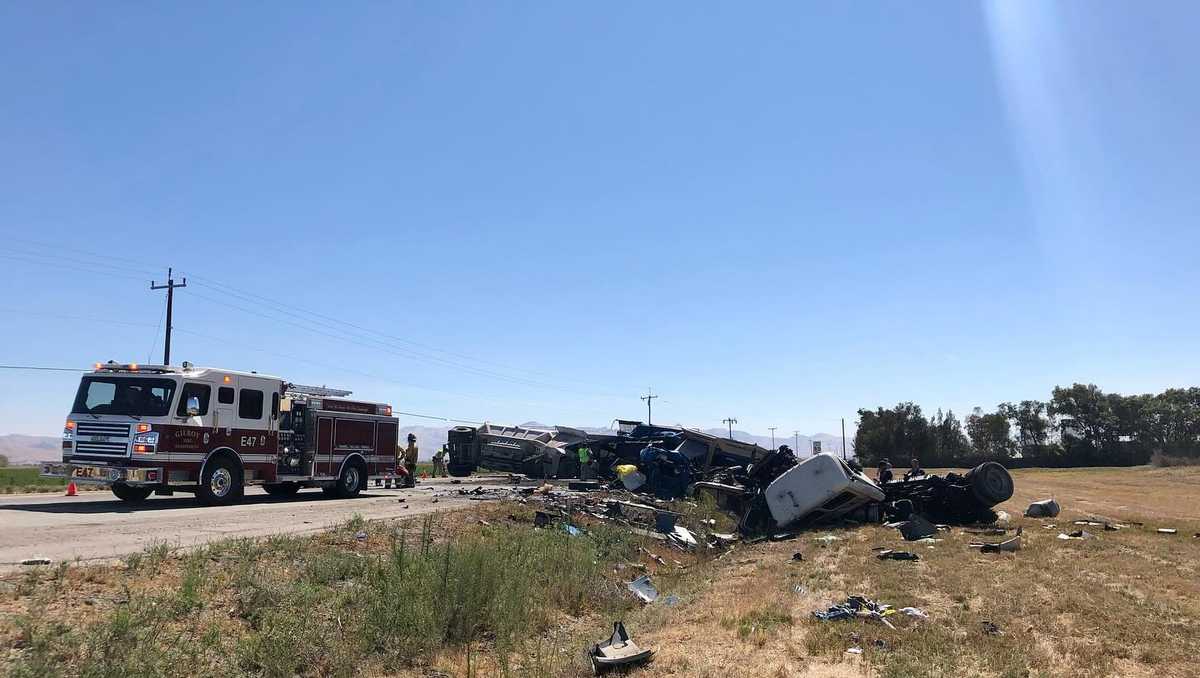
(143, 429)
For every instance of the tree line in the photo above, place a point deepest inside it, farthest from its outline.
(1079, 426)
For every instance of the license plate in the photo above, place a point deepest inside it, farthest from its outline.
(100, 439)
(95, 472)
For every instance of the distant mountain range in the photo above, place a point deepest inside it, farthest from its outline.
(32, 450)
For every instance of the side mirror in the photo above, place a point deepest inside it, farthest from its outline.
(193, 406)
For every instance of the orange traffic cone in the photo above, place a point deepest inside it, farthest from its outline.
(71, 489)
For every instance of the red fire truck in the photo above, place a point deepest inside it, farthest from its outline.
(143, 429)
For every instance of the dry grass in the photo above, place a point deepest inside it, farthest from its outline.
(1121, 604)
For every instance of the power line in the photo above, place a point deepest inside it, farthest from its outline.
(648, 398)
(40, 368)
(309, 314)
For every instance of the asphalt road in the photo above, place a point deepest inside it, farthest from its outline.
(97, 526)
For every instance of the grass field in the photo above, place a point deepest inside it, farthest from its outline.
(457, 597)
(15, 479)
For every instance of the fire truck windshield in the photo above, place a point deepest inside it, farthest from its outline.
(132, 396)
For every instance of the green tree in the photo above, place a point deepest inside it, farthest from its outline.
(897, 434)
(990, 435)
(3, 461)
(950, 444)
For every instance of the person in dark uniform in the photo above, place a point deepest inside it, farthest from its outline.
(885, 471)
(915, 469)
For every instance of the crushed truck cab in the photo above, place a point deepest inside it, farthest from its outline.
(819, 487)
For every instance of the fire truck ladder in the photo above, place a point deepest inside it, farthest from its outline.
(315, 391)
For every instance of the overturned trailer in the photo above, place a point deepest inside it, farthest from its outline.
(551, 452)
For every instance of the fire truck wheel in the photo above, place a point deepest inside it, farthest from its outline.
(352, 480)
(282, 489)
(130, 493)
(222, 482)
(460, 471)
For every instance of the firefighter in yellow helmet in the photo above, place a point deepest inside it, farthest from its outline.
(410, 459)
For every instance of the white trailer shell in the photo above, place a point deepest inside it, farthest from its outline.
(821, 484)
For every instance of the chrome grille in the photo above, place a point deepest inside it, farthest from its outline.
(102, 439)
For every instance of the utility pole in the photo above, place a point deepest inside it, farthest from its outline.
(170, 288)
(772, 429)
(796, 449)
(731, 421)
(648, 398)
(843, 439)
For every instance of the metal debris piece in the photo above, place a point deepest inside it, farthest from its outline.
(618, 650)
(1166, 530)
(361, 536)
(684, 537)
(914, 612)
(1046, 508)
(826, 539)
(643, 588)
(36, 561)
(1077, 534)
(888, 554)
(1006, 546)
(915, 528)
(797, 556)
(854, 650)
(991, 628)
(584, 485)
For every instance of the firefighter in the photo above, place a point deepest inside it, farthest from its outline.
(885, 471)
(410, 459)
(439, 462)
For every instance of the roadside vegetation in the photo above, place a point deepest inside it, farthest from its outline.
(482, 592)
(19, 479)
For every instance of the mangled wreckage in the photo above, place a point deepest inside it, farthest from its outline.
(768, 490)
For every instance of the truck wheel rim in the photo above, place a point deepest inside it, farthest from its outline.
(351, 478)
(220, 482)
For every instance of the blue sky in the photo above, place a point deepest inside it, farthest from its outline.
(780, 212)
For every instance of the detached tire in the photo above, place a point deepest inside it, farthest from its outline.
(282, 489)
(991, 483)
(221, 483)
(352, 480)
(131, 494)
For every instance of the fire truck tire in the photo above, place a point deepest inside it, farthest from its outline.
(991, 483)
(282, 489)
(221, 483)
(131, 494)
(352, 480)
(459, 471)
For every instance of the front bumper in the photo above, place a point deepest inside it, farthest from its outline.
(100, 474)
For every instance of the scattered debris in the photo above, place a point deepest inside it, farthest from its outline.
(1166, 530)
(826, 539)
(584, 485)
(572, 530)
(36, 561)
(857, 606)
(1046, 508)
(991, 628)
(797, 556)
(361, 536)
(643, 588)
(914, 612)
(854, 650)
(888, 554)
(618, 650)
